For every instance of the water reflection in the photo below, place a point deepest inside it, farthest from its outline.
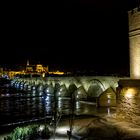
(26, 106)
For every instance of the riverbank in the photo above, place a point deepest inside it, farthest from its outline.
(93, 127)
(98, 128)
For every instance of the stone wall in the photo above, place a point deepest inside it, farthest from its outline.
(128, 101)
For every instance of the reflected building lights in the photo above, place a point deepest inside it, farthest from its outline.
(77, 105)
(108, 111)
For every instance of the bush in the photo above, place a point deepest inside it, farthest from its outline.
(30, 132)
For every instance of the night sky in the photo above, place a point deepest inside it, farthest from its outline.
(81, 35)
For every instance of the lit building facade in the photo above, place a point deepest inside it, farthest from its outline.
(134, 42)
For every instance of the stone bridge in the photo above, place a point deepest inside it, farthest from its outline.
(82, 87)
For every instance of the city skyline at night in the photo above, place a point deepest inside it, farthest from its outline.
(70, 71)
(83, 36)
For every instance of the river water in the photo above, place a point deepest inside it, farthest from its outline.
(18, 106)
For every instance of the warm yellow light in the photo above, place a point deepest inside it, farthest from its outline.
(108, 95)
(43, 75)
(57, 72)
(130, 93)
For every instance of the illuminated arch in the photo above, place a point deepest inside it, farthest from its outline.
(72, 88)
(107, 98)
(49, 90)
(96, 87)
(80, 93)
(62, 91)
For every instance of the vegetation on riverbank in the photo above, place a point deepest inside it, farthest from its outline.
(29, 132)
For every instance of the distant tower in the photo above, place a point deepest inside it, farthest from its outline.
(27, 62)
(134, 42)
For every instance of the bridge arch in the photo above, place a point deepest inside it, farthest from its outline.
(72, 88)
(80, 93)
(95, 88)
(62, 91)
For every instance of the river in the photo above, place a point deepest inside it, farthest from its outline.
(18, 107)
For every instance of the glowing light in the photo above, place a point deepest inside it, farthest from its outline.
(62, 130)
(108, 101)
(59, 93)
(78, 92)
(43, 75)
(41, 127)
(7, 94)
(108, 111)
(59, 104)
(40, 93)
(130, 93)
(57, 72)
(47, 98)
(109, 96)
(77, 105)
(61, 89)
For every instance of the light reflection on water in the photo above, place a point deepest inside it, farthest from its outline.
(25, 107)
